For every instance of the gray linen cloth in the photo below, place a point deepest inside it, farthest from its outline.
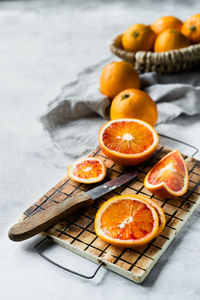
(75, 116)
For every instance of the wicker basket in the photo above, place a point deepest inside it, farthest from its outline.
(163, 63)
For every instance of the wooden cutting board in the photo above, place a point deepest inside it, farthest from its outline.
(76, 233)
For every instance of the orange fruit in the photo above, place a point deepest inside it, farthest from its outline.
(118, 76)
(138, 37)
(191, 28)
(161, 215)
(170, 39)
(168, 177)
(128, 141)
(127, 221)
(87, 170)
(132, 103)
(166, 22)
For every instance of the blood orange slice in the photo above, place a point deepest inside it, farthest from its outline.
(169, 177)
(127, 221)
(128, 141)
(161, 215)
(87, 170)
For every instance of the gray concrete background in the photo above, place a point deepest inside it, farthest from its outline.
(43, 45)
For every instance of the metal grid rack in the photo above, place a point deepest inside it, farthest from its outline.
(76, 232)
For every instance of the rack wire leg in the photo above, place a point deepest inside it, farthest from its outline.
(37, 248)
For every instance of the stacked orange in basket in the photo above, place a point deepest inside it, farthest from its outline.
(165, 34)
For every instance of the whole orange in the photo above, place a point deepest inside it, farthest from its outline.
(118, 76)
(132, 103)
(138, 37)
(166, 22)
(170, 39)
(191, 28)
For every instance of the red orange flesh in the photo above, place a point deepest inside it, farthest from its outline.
(169, 177)
(128, 141)
(87, 170)
(127, 221)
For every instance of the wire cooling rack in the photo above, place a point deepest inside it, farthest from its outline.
(76, 232)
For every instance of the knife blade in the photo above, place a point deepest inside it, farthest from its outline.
(109, 186)
(50, 216)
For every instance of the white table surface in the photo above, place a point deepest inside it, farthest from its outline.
(43, 45)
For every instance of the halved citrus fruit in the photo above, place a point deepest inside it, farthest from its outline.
(127, 221)
(168, 177)
(161, 215)
(128, 141)
(87, 170)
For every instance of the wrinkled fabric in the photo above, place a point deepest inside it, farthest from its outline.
(80, 109)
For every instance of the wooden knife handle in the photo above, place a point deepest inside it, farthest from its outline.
(50, 216)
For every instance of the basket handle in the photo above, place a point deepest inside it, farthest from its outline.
(37, 248)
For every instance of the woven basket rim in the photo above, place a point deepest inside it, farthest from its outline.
(129, 54)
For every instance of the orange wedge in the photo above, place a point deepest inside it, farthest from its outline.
(128, 141)
(127, 221)
(161, 215)
(169, 177)
(87, 170)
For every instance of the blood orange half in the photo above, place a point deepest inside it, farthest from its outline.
(127, 221)
(169, 177)
(128, 141)
(87, 170)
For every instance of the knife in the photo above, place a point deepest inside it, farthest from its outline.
(50, 216)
